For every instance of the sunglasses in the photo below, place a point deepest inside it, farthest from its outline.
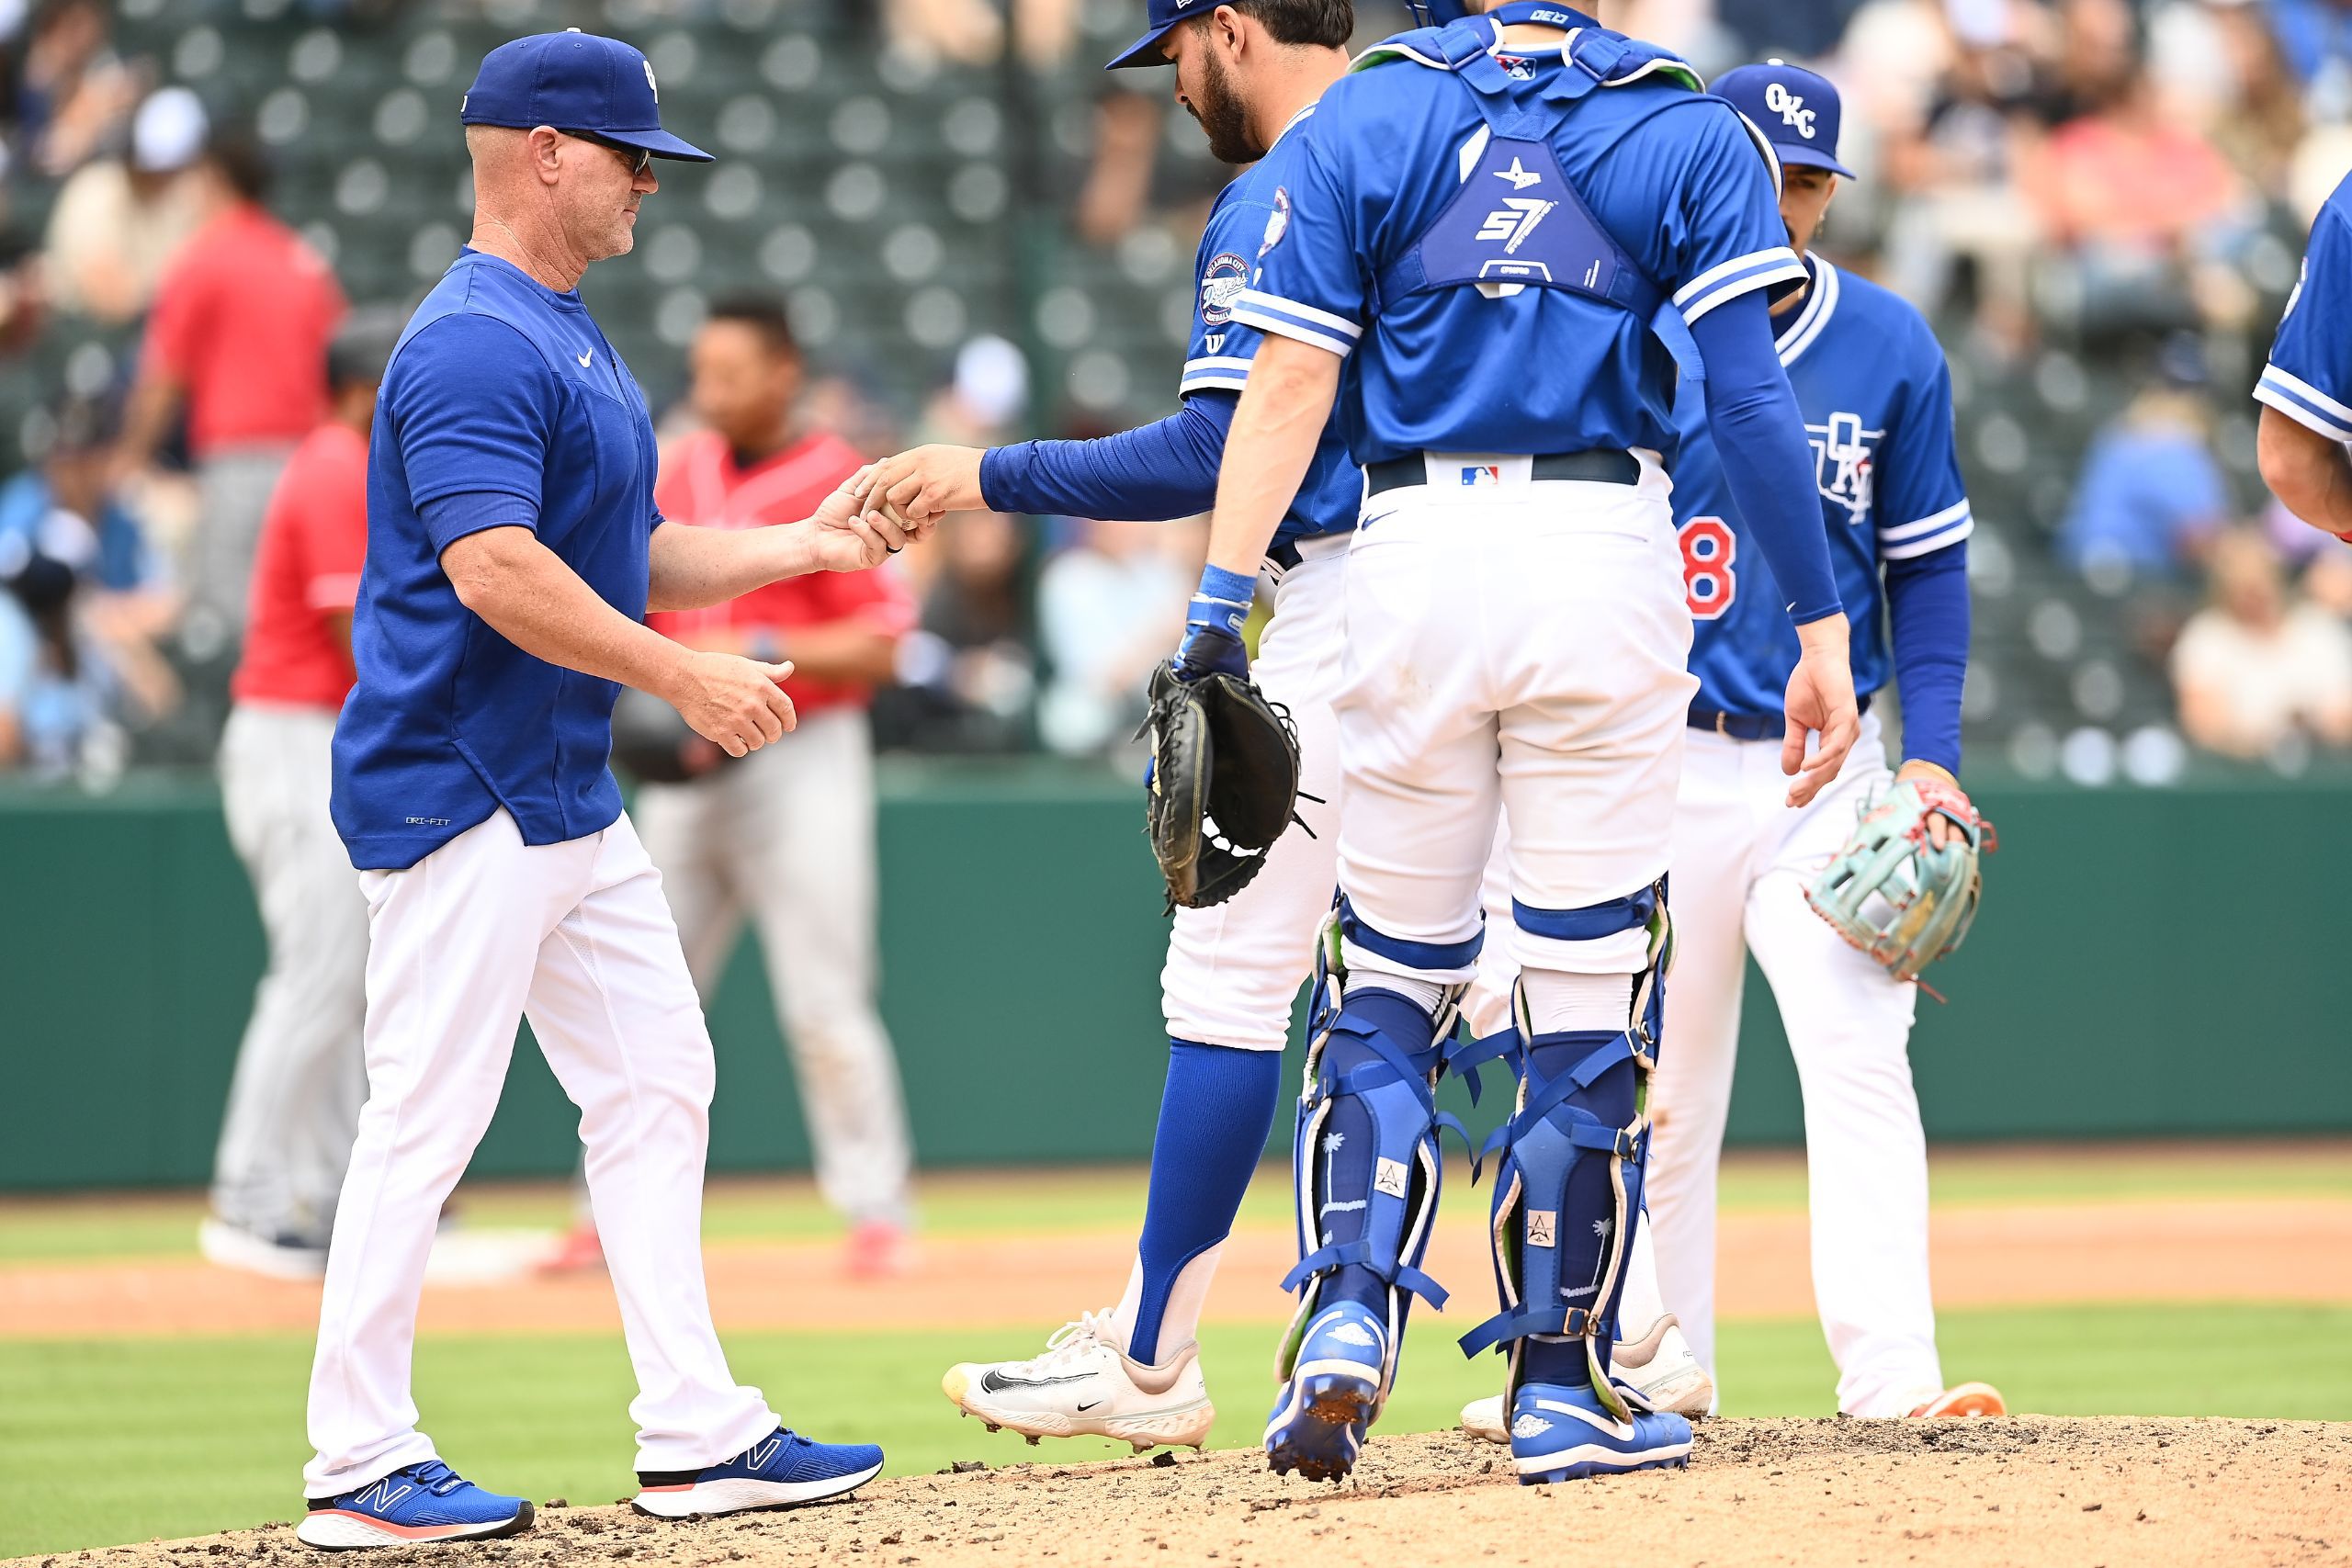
(638, 158)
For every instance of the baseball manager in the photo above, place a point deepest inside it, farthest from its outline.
(513, 550)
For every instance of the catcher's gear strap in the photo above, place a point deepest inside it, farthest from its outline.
(1560, 1121)
(1362, 1048)
(1444, 964)
(1222, 785)
(1893, 894)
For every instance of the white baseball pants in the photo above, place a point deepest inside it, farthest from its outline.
(786, 834)
(464, 945)
(1742, 860)
(294, 1100)
(1521, 645)
(1233, 970)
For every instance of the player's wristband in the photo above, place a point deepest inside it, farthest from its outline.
(1222, 600)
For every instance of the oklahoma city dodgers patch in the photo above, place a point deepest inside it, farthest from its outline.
(1222, 282)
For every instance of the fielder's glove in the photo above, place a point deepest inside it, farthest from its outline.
(1222, 786)
(1891, 892)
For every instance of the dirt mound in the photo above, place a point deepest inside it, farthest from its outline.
(2031, 1491)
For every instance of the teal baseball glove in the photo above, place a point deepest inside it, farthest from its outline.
(1891, 892)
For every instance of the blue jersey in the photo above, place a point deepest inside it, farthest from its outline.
(1876, 397)
(502, 405)
(1217, 360)
(1501, 311)
(2309, 377)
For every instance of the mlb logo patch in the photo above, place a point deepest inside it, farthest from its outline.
(1482, 474)
(1517, 67)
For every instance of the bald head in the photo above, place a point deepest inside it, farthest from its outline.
(562, 200)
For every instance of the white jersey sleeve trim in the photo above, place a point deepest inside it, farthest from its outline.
(1911, 549)
(2303, 404)
(1787, 269)
(1903, 532)
(1304, 324)
(1721, 270)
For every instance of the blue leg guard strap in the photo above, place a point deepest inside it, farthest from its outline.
(1365, 1153)
(1568, 1187)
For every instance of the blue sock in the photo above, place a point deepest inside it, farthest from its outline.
(1214, 1116)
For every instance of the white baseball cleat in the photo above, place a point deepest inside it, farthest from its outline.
(1657, 1373)
(1086, 1386)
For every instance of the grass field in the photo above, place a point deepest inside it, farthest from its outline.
(111, 1440)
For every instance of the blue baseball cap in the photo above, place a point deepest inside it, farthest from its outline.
(1163, 14)
(1796, 110)
(574, 81)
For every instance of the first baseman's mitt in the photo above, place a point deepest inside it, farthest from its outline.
(1223, 784)
(1891, 892)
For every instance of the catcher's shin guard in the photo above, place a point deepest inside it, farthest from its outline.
(1568, 1187)
(1365, 1156)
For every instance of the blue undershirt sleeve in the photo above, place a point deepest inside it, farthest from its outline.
(1149, 474)
(1760, 435)
(1927, 603)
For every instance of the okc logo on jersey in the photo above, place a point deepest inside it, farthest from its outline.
(1843, 455)
(1222, 282)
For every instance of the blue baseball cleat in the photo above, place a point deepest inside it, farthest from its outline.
(1334, 1392)
(781, 1470)
(1562, 1433)
(422, 1504)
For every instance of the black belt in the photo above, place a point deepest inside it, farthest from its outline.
(1754, 727)
(1602, 465)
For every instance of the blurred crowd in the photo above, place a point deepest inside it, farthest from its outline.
(2130, 181)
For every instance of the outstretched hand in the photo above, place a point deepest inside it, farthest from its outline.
(737, 704)
(925, 482)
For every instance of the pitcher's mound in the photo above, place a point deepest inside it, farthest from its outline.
(1970, 1493)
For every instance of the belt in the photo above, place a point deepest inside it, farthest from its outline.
(1602, 465)
(1286, 555)
(1754, 727)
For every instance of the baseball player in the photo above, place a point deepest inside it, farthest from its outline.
(1488, 249)
(1249, 71)
(2306, 387)
(1876, 398)
(513, 549)
(788, 833)
(295, 1097)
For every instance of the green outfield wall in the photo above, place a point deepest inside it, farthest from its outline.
(2148, 963)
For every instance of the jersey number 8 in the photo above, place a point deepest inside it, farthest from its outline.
(1708, 584)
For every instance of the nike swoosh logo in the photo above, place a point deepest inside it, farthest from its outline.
(586, 357)
(1083, 1408)
(996, 1383)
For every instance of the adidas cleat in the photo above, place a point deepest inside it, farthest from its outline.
(1560, 1433)
(416, 1505)
(782, 1470)
(1334, 1393)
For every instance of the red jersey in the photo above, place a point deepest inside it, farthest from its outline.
(242, 320)
(701, 484)
(313, 539)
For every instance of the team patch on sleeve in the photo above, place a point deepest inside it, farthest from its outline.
(1222, 282)
(1277, 222)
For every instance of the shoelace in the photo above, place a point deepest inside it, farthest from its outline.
(436, 1478)
(1072, 1340)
